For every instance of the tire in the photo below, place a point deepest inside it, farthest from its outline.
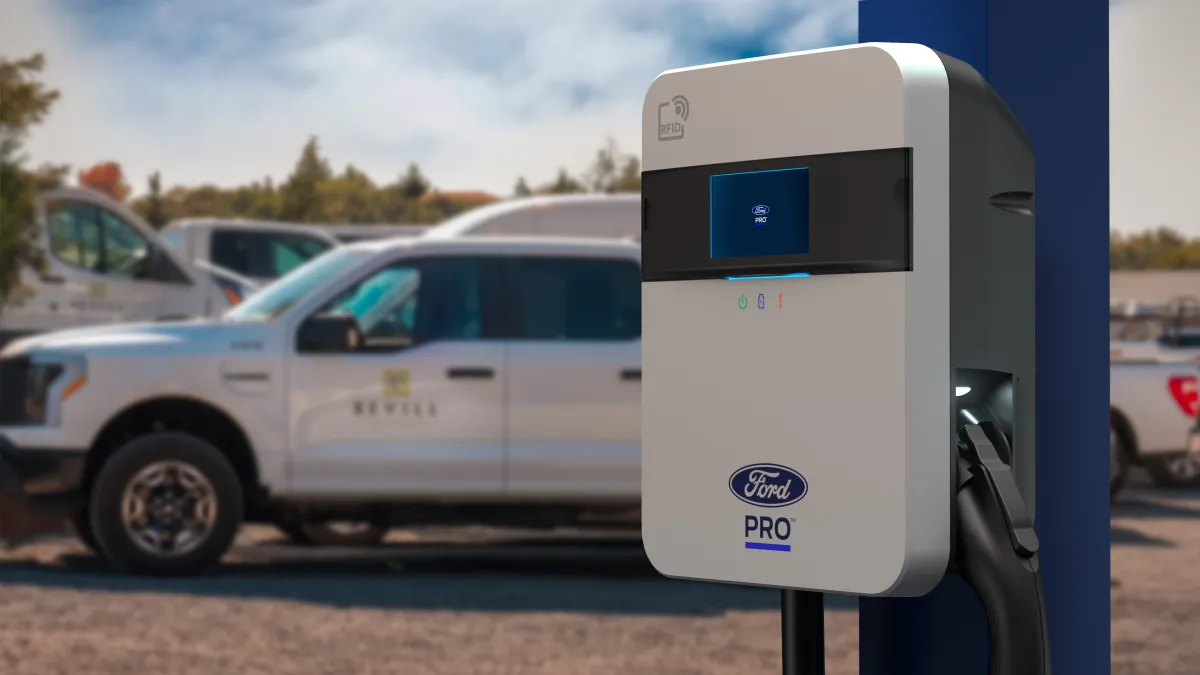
(1118, 462)
(1177, 471)
(178, 460)
(81, 525)
(332, 534)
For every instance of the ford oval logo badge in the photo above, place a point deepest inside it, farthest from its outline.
(768, 485)
(761, 210)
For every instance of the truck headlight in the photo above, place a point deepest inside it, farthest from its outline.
(30, 390)
(38, 379)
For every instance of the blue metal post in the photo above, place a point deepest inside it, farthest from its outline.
(1049, 61)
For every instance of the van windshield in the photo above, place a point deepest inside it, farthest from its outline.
(272, 301)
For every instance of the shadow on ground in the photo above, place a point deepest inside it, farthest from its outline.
(1126, 537)
(601, 578)
(1162, 504)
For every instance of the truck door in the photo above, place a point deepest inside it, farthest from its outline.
(417, 410)
(574, 377)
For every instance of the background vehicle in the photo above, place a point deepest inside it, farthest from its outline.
(105, 264)
(259, 250)
(458, 380)
(1153, 409)
(348, 234)
(615, 216)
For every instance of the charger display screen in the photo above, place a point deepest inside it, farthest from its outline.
(836, 213)
(759, 213)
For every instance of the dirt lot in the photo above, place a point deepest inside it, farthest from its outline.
(439, 603)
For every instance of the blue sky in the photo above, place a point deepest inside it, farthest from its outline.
(477, 91)
(482, 91)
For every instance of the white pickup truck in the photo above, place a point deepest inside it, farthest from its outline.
(1153, 409)
(485, 379)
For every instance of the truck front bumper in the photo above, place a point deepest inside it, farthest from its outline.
(40, 488)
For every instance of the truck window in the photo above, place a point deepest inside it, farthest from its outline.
(287, 252)
(417, 301)
(277, 298)
(175, 239)
(126, 251)
(263, 255)
(579, 299)
(75, 234)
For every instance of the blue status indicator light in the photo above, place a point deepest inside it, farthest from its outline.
(798, 275)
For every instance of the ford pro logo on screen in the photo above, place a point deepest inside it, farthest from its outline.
(761, 210)
(768, 485)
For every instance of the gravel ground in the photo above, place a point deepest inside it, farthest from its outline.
(452, 602)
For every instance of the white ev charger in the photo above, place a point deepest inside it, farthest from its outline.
(838, 346)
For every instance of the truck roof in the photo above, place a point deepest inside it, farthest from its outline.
(250, 224)
(584, 215)
(493, 244)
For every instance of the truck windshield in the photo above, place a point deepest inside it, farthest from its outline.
(272, 301)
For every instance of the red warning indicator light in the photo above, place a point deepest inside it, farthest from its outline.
(781, 301)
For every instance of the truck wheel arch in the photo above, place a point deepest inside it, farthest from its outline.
(1120, 424)
(177, 413)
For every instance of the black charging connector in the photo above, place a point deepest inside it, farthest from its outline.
(996, 553)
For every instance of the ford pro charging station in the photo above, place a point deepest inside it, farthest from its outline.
(838, 337)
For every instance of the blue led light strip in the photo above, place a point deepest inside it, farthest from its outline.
(797, 275)
(768, 547)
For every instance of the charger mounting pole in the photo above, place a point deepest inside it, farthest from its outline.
(803, 622)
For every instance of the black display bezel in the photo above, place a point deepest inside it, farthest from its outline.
(860, 218)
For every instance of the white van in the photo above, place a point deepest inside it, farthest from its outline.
(104, 264)
(605, 216)
(257, 249)
(350, 233)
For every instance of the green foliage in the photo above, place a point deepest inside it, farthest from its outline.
(155, 213)
(24, 103)
(521, 189)
(1161, 248)
(303, 201)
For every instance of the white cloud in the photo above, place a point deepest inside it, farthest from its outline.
(476, 91)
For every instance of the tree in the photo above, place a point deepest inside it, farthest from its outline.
(350, 198)
(564, 184)
(630, 178)
(1158, 248)
(301, 194)
(25, 102)
(155, 213)
(413, 184)
(107, 178)
(601, 176)
(522, 188)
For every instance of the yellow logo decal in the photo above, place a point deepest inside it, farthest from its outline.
(395, 383)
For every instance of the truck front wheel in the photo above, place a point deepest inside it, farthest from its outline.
(166, 503)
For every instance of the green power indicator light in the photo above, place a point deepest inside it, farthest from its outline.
(742, 302)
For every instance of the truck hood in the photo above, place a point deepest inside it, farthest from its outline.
(146, 339)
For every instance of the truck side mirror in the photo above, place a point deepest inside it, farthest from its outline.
(328, 334)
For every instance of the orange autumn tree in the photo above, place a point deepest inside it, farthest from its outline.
(106, 177)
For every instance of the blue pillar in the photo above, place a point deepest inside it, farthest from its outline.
(1049, 61)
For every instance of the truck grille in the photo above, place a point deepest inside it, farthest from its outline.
(14, 378)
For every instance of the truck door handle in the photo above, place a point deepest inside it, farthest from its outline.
(469, 373)
(631, 374)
